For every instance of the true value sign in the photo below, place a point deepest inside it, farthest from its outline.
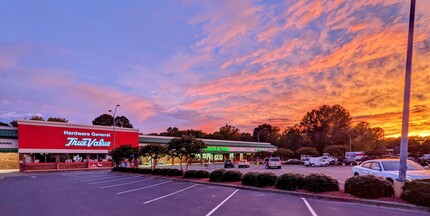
(77, 139)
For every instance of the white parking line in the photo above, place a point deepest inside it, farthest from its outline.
(101, 182)
(109, 186)
(93, 177)
(309, 207)
(162, 197)
(100, 178)
(219, 205)
(127, 191)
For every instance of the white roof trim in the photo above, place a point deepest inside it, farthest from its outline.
(69, 125)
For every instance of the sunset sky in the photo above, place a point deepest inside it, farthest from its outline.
(204, 64)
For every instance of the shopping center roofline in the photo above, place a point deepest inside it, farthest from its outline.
(147, 139)
(71, 125)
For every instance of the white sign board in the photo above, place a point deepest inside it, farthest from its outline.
(8, 143)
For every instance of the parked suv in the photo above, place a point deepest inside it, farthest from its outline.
(228, 163)
(273, 162)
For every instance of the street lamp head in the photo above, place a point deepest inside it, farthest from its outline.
(117, 105)
(110, 111)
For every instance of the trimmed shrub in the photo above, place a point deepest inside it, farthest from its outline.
(265, 179)
(369, 187)
(146, 171)
(157, 171)
(190, 174)
(165, 171)
(202, 174)
(320, 183)
(175, 172)
(250, 178)
(417, 192)
(215, 176)
(231, 176)
(134, 170)
(290, 181)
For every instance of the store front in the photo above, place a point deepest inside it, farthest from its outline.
(62, 146)
(9, 158)
(216, 150)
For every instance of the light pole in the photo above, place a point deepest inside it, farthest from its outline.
(258, 134)
(407, 96)
(350, 146)
(113, 115)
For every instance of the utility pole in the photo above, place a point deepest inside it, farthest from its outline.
(407, 97)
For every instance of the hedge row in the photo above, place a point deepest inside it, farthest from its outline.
(288, 181)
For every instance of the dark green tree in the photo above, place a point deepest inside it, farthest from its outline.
(103, 120)
(124, 152)
(293, 138)
(328, 125)
(185, 147)
(267, 133)
(283, 153)
(122, 121)
(4, 124)
(368, 139)
(307, 151)
(336, 150)
(227, 132)
(37, 118)
(154, 152)
(57, 119)
(14, 123)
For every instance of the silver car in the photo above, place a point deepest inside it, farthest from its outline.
(273, 162)
(389, 169)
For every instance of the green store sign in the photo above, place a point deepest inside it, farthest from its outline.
(216, 149)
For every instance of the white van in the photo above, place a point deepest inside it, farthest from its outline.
(316, 161)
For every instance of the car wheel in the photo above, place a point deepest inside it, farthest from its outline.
(312, 165)
(356, 174)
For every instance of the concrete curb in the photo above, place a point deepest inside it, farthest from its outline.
(305, 195)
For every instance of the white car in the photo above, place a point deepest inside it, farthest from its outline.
(273, 162)
(389, 169)
(316, 161)
(243, 163)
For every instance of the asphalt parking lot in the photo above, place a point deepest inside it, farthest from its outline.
(107, 193)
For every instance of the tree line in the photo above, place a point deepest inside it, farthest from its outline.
(184, 147)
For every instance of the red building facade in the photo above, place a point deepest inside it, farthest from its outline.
(63, 146)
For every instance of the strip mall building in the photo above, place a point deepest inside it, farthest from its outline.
(43, 145)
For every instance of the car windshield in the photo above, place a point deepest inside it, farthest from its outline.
(227, 161)
(274, 159)
(394, 166)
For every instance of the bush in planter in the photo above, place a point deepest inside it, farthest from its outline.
(417, 192)
(320, 183)
(265, 179)
(190, 174)
(368, 186)
(175, 172)
(146, 171)
(215, 176)
(231, 176)
(250, 178)
(202, 174)
(165, 171)
(290, 181)
(133, 170)
(157, 171)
